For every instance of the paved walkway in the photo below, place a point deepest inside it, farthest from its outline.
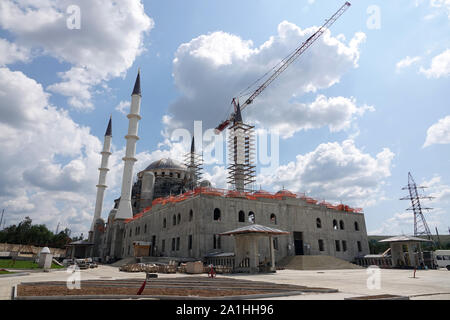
(428, 284)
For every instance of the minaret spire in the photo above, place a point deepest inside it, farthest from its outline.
(193, 145)
(109, 128)
(101, 186)
(125, 211)
(137, 84)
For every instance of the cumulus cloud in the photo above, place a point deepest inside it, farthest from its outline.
(443, 5)
(406, 62)
(11, 52)
(123, 107)
(335, 172)
(438, 133)
(106, 45)
(45, 155)
(440, 66)
(403, 222)
(218, 177)
(210, 69)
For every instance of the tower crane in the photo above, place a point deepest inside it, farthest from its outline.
(287, 61)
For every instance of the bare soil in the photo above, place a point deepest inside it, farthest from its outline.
(29, 290)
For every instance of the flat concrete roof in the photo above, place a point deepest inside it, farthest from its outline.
(405, 239)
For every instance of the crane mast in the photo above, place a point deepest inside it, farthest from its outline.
(288, 61)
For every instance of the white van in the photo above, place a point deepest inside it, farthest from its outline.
(442, 258)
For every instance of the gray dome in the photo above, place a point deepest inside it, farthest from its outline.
(166, 163)
(205, 184)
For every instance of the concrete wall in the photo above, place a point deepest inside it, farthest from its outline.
(293, 215)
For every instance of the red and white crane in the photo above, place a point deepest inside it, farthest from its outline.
(285, 63)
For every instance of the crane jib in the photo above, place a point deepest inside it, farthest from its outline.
(298, 52)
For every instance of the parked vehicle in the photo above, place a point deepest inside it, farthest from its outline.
(442, 258)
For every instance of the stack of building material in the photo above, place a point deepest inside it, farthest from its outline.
(194, 267)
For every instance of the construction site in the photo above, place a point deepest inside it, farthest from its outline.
(171, 235)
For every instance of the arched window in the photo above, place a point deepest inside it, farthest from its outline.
(174, 220)
(164, 223)
(335, 225)
(217, 214)
(273, 218)
(341, 225)
(251, 217)
(145, 228)
(191, 215)
(321, 248)
(179, 219)
(356, 226)
(319, 223)
(241, 216)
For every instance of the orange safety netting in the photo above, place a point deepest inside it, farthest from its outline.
(247, 195)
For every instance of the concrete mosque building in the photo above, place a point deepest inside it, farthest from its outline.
(170, 212)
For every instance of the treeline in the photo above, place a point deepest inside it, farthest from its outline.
(25, 233)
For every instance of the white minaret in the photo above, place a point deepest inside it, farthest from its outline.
(125, 211)
(101, 186)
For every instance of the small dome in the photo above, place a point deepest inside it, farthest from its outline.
(205, 184)
(286, 193)
(45, 250)
(166, 163)
(100, 221)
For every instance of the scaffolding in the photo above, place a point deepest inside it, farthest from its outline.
(194, 163)
(241, 157)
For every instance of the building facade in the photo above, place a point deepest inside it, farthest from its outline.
(176, 215)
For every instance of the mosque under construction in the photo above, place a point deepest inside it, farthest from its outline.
(170, 212)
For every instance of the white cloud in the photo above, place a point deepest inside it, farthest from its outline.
(406, 62)
(440, 66)
(110, 39)
(335, 172)
(211, 69)
(123, 107)
(11, 52)
(438, 133)
(35, 137)
(441, 4)
(403, 222)
(218, 177)
(336, 112)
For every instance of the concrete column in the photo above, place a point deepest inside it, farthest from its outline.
(272, 255)
(412, 260)
(254, 261)
(148, 183)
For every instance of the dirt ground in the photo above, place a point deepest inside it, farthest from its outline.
(28, 290)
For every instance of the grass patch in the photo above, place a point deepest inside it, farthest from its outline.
(5, 272)
(8, 264)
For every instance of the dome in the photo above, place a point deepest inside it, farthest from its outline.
(166, 163)
(286, 193)
(45, 250)
(205, 184)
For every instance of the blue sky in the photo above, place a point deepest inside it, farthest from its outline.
(366, 105)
